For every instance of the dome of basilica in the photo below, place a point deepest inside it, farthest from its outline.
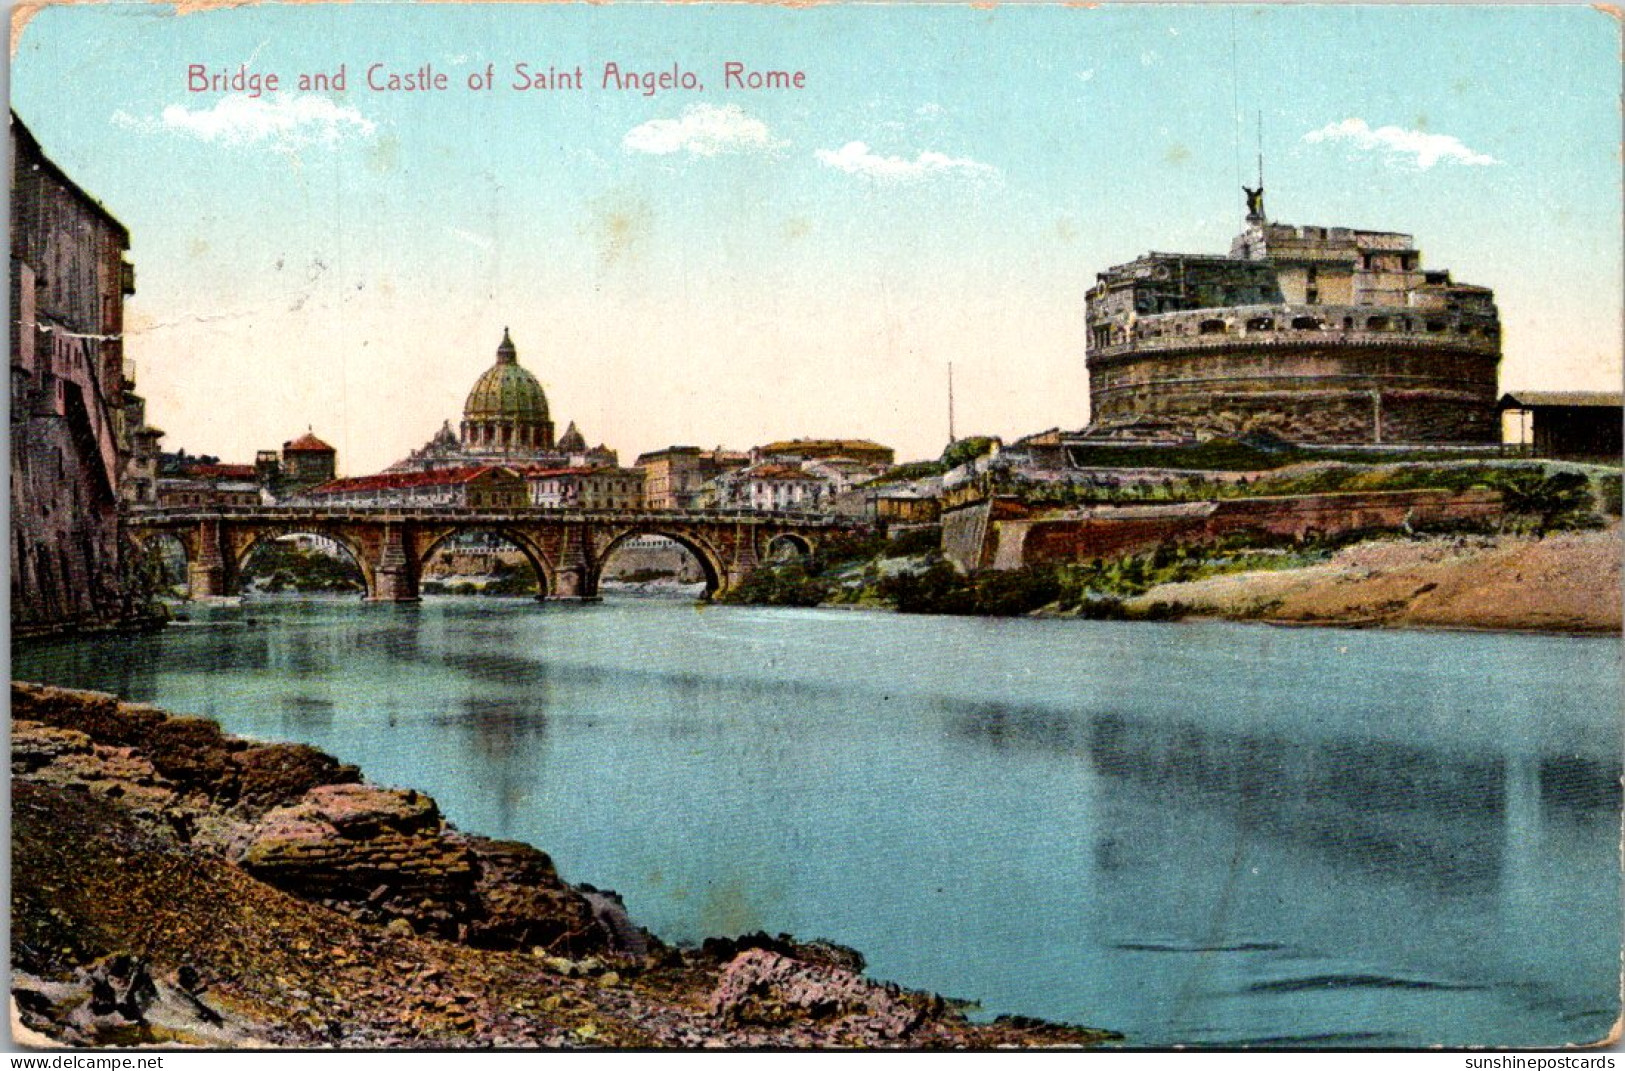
(506, 412)
(506, 392)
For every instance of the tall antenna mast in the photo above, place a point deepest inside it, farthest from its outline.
(1235, 99)
(1261, 148)
(1255, 198)
(950, 403)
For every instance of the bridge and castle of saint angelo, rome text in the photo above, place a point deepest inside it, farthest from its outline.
(732, 75)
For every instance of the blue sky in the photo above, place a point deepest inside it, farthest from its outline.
(732, 266)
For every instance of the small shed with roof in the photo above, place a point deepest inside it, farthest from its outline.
(1568, 424)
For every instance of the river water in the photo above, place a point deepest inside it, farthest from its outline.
(1190, 833)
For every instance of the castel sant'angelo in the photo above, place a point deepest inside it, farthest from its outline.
(1311, 334)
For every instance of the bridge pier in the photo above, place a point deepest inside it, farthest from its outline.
(206, 573)
(573, 581)
(744, 560)
(395, 577)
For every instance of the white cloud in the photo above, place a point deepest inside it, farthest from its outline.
(470, 237)
(856, 158)
(702, 130)
(1414, 147)
(287, 121)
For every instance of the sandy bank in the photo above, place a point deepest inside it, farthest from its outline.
(1567, 582)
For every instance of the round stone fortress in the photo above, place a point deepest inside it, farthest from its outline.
(1312, 334)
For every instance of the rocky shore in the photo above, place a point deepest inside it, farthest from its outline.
(177, 886)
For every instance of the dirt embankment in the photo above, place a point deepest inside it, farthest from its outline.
(1567, 582)
(173, 885)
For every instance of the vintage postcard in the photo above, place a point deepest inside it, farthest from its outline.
(836, 526)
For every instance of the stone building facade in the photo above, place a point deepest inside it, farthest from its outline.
(492, 487)
(139, 486)
(71, 439)
(1311, 334)
(306, 462)
(678, 476)
(772, 487)
(585, 488)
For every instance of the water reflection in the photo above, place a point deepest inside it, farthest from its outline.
(1426, 817)
(1195, 835)
(306, 714)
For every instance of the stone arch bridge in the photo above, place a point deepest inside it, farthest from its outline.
(568, 549)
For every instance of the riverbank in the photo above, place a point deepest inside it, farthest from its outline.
(1566, 582)
(174, 885)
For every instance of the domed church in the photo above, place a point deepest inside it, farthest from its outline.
(505, 422)
(506, 412)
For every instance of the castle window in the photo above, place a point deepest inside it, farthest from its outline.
(1305, 323)
(1261, 323)
(1435, 326)
(1377, 323)
(1311, 296)
(1211, 327)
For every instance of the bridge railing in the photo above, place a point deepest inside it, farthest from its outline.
(295, 514)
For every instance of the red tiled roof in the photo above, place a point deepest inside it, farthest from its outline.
(396, 481)
(307, 443)
(775, 472)
(219, 472)
(535, 472)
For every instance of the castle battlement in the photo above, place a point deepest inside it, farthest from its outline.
(1316, 334)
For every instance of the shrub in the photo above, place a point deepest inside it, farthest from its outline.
(1561, 500)
(781, 584)
(1608, 494)
(913, 542)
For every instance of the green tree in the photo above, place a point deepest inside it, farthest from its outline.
(967, 449)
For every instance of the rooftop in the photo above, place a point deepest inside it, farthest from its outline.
(1580, 399)
(396, 481)
(309, 444)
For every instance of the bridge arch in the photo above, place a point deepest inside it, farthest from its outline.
(534, 555)
(710, 558)
(788, 544)
(249, 541)
(150, 553)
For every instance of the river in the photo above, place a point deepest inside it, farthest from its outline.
(1189, 833)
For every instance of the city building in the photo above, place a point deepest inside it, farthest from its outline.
(506, 421)
(473, 487)
(772, 487)
(1309, 334)
(676, 477)
(586, 488)
(139, 486)
(72, 435)
(842, 474)
(210, 485)
(306, 462)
